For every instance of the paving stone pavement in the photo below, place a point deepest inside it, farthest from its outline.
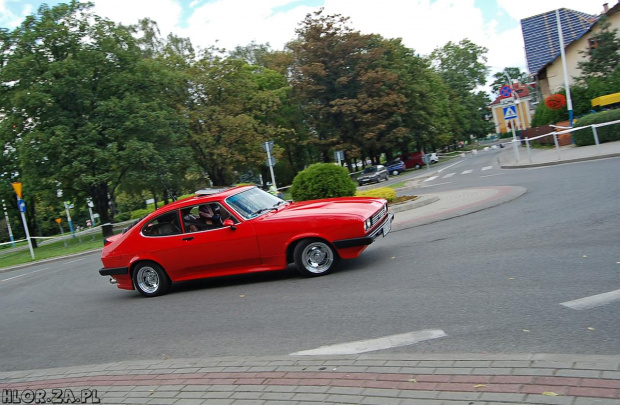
(418, 379)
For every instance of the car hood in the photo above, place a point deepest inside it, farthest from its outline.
(362, 207)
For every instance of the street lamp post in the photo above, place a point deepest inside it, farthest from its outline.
(8, 224)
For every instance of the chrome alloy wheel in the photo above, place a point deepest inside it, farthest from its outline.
(148, 279)
(317, 257)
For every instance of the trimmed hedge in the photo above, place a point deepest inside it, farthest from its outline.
(381, 192)
(607, 133)
(322, 180)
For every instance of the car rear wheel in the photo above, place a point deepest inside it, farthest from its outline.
(417, 166)
(150, 279)
(314, 257)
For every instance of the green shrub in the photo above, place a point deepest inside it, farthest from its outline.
(605, 134)
(140, 213)
(322, 180)
(122, 216)
(382, 192)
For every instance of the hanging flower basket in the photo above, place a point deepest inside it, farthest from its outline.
(555, 101)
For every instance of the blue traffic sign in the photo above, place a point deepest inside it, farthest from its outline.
(505, 91)
(22, 205)
(510, 112)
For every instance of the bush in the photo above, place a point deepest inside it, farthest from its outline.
(605, 134)
(122, 216)
(140, 213)
(382, 192)
(322, 180)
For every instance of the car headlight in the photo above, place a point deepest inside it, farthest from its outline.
(367, 224)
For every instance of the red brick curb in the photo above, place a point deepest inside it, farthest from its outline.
(562, 386)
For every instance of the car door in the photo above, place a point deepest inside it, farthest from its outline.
(218, 251)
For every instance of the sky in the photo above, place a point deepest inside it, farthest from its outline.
(423, 25)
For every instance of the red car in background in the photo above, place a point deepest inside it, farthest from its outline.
(240, 230)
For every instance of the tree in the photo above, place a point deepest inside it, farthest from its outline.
(603, 58)
(462, 67)
(501, 78)
(83, 103)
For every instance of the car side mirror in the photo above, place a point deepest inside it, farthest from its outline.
(229, 222)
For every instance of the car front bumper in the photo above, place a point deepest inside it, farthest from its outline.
(383, 229)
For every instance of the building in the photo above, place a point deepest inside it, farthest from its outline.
(542, 45)
(544, 62)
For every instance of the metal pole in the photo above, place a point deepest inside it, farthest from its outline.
(69, 219)
(514, 143)
(273, 176)
(8, 224)
(27, 234)
(569, 102)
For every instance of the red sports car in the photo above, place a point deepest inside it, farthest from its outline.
(240, 230)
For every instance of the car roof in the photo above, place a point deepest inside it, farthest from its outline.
(203, 197)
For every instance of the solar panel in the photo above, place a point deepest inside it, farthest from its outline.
(540, 35)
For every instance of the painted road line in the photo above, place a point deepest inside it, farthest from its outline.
(447, 176)
(491, 175)
(436, 184)
(467, 171)
(593, 301)
(487, 168)
(371, 345)
(25, 274)
(449, 166)
(431, 178)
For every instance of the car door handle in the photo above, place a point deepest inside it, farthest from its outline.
(188, 238)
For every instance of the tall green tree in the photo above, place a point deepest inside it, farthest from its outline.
(83, 104)
(463, 68)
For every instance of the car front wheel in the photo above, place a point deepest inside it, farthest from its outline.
(395, 173)
(314, 257)
(150, 279)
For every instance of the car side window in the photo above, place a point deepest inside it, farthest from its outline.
(205, 217)
(164, 225)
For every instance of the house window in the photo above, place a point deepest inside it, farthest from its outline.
(592, 43)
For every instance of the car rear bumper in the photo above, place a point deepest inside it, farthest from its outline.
(385, 227)
(114, 271)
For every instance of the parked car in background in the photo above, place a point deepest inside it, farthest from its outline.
(373, 174)
(432, 157)
(413, 160)
(237, 231)
(395, 167)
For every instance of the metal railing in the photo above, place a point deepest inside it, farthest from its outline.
(517, 142)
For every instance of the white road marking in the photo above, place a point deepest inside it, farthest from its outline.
(431, 178)
(25, 274)
(491, 175)
(449, 166)
(487, 168)
(436, 184)
(447, 176)
(370, 345)
(467, 171)
(593, 301)
(73, 261)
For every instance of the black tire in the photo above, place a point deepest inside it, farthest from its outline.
(395, 173)
(150, 279)
(417, 166)
(314, 257)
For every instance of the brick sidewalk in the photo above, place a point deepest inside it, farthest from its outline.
(364, 379)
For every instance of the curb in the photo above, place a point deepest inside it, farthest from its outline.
(555, 162)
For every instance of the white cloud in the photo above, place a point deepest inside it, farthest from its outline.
(167, 13)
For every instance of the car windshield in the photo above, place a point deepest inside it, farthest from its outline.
(371, 169)
(253, 202)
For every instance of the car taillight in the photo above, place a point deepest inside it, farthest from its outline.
(106, 242)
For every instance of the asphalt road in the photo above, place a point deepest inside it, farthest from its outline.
(493, 281)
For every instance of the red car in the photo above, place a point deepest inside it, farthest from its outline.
(240, 230)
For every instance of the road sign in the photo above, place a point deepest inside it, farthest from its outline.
(18, 189)
(510, 112)
(22, 205)
(271, 161)
(505, 91)
(267, 146)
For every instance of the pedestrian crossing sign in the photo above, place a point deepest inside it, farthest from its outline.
(510, 112)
